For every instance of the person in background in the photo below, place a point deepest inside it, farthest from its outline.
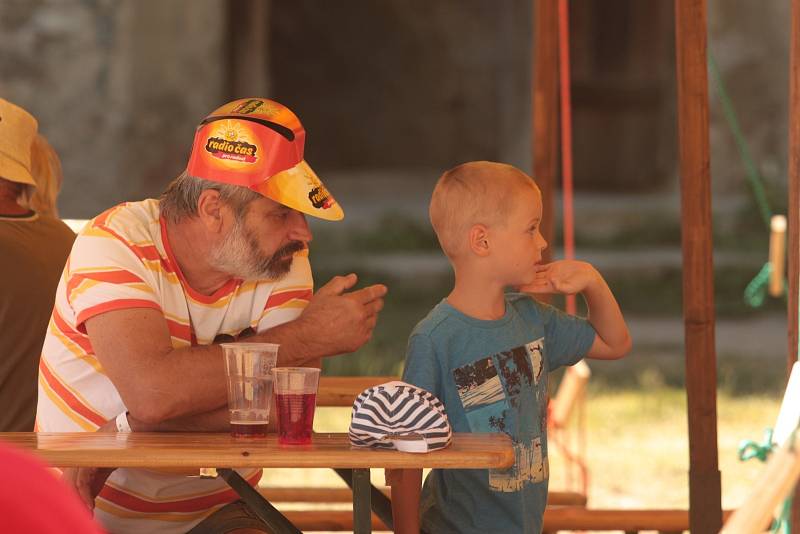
(46, 170)
(34, 247)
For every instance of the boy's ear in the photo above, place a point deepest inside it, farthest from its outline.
(479, 240)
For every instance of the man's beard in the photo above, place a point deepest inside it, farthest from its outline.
(239, 255)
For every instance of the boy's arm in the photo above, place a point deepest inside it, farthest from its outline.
(613, 340)
(405, 484)
(569, 277)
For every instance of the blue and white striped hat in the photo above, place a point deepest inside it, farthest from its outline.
(396, 415)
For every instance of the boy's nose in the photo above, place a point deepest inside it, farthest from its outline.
(299, 230)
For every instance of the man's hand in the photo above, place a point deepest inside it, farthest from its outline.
(566, 277)
(89, 481)
(343, 321)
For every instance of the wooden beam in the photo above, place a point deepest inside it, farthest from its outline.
(774, 484)
(793, 248)
(698, 273)
(328, 520)
(545, 112)
(343, 390)
(576, 518)
(247, 54)
(555, 519)
(291, 494)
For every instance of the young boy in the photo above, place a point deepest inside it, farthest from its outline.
(486, 353)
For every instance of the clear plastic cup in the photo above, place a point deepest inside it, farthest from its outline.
(248, 366)
(295, 401)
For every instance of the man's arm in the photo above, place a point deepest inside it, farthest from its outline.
(158, 383)
(89, 481)
(405, 485)
(214, 421)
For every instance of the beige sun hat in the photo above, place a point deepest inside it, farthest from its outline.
(17, 131)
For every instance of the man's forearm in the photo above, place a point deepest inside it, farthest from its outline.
(214, 421)
(300, 346)
(206, 388)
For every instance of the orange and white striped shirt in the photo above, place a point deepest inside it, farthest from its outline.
(121, 260)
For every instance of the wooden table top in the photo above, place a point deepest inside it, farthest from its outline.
(197, 450)
(343, 390)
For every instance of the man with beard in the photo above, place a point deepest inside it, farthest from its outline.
(152, 287)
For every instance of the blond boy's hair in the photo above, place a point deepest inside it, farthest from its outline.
(477, 192)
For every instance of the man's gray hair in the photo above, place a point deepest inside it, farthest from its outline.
(179, 201)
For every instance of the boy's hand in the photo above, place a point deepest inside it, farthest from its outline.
(569, 277)
(566, 277)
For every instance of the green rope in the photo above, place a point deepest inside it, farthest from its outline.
(756, 290)
(782, 523)
(753, 176)
(750, 449)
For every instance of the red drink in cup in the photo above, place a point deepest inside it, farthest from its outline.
(295, 401)
(295, 417)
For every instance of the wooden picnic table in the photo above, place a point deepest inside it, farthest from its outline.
(222, 451)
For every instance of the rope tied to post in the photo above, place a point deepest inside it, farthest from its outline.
(749, 449)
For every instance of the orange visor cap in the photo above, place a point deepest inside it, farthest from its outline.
(258, 144)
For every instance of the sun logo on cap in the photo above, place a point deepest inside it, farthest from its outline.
(270, 109)
(232, 131)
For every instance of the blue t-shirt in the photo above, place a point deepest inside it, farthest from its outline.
(492, 377)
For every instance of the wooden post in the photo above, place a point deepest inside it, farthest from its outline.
(777, 254)
(793, 245)
(247, 57)
(698, 274)
(793, 249)
(545, 112)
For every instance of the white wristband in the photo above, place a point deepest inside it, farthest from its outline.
(122, 423)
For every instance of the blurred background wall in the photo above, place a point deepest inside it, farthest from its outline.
(414, 85)
(394, 92)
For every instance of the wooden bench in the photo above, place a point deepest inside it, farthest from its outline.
(555, 520)
(578, 518)
(319, 518)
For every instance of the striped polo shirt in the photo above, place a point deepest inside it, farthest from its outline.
(121, 260)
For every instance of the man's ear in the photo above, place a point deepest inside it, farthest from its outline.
(478, 240)
(209, 210)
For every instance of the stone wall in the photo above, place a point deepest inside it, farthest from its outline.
(402, 83)
(750, 42)
(118, 86)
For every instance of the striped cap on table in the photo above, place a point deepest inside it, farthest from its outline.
(397, 415)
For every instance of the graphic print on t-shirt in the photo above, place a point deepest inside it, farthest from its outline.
(496, 391)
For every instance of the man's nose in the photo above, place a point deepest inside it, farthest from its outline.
(299, 230)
